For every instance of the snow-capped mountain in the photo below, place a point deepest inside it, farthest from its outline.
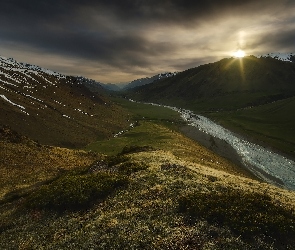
(54, 108)
(147, 80)
(25, 68)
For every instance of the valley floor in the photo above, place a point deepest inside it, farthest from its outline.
(168, 192)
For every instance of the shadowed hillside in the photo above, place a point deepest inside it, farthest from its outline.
(228, 84)
(252, 96)
(55, 109)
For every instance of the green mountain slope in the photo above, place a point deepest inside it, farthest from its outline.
(273, 123)
(228, 84)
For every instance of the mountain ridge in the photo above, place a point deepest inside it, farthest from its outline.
(230, 83)
(147, 80)
(52, 108)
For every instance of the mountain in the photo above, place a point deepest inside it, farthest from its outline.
(153, 187)
(148, 80)
(92, 85)
(98, 87)
(53, 108)
(228, 84)
(111, 86)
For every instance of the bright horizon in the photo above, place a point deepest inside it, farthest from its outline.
(119, 41)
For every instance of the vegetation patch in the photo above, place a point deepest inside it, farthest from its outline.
(246, 214)
(120, 164)
(115, 160)
(130, 167)
(271, 124)
(136, 149)
(74, 191)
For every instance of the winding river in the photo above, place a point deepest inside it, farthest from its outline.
(265, 164)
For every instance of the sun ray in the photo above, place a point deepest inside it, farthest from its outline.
(242, 70)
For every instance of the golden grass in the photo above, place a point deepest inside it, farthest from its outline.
(144, 215)
(141, 216)
(161, 137)
(221, 178)
(23, 165)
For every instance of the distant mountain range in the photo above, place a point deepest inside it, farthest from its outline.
(111, 86)
(228, 84)
(288, 57)
(148, 80)
(53, 108)
(136, 83)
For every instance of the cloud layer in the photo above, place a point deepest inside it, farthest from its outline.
(118, 41)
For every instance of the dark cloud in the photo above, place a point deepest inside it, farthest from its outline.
(142, 35)
(167, 11)
(278, 41)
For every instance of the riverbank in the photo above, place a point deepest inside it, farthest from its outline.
(225, 150)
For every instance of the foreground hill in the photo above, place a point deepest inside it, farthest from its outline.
(176, 196)
(55, 109)
(228, 84)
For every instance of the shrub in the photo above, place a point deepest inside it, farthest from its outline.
(117, 164)
(136, 149)
(247, 214)
(73, 192)
(130, 167)
(116, 159)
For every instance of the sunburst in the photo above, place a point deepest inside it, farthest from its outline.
(239, 53)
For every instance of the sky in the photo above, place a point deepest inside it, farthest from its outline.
(113, 41)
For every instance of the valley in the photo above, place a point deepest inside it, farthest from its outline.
(147, 125)
(84, 168)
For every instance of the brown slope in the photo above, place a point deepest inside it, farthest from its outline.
(55, 109)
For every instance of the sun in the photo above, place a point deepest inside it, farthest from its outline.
(239, 53)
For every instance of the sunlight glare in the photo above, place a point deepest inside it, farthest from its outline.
(240, 53)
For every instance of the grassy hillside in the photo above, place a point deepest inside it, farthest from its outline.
(25, 163)
(271, 123)
(142, 199)
(228, 84)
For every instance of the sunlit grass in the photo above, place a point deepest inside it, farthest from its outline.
(145, 213)
(247, 214)
(160, 137)
(23, 165)
(130, 199)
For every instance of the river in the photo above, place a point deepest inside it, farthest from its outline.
(265, 164)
